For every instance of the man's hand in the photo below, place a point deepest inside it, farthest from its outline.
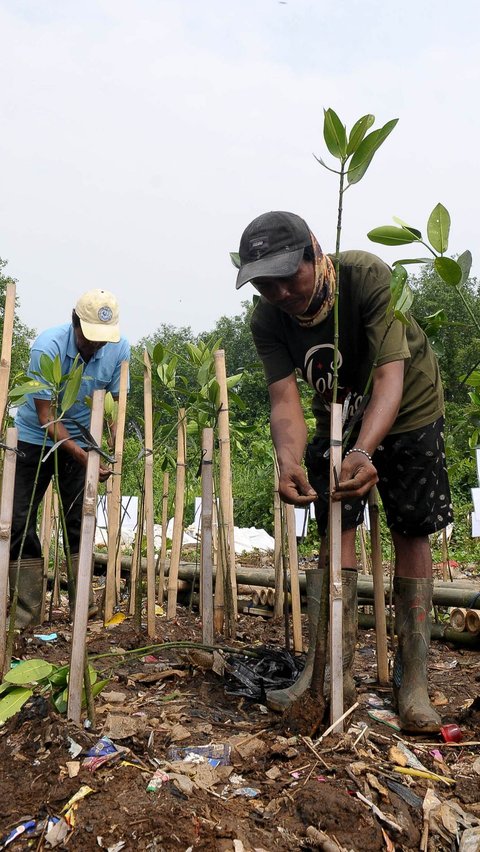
(104, 473)
(294, 486)
(357, 476)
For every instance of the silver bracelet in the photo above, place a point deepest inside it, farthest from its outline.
(359, 450)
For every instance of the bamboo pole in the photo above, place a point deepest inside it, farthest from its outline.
(148, 484)
(458, 617)
(178, 515)
(6, 355)
(137, 546)
(46, 539)
(163, 546)
(278, 549)
(6, 512)
(84, 578)
(219, 595)
(226, 495)
(114, 509)
(56, 567)
(378, 593)
(207, 541)
(472, 621)
(294, 583)
(335, 556)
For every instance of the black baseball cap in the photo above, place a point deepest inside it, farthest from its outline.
(272, 245)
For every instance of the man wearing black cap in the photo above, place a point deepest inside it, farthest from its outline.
(93, 338)
(397, 440)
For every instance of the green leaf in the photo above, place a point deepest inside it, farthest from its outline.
(59, 677)
(335, 134)
(433, 323)
(28, 387)
(57, 370)
(473, 380)
(158, 353)
(29, 671)
(72, 387)
(413, 260)
(414, 231)
(358, 132)
(6, 687)
(364, 154)
(438, 228)
(60, 701)
(389, 235)
(232, 381)
(235, 258)
(448, 270)
(46, 367)
(13, 702)
(401, 296)
(465, 264)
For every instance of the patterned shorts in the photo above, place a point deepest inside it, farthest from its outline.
(413, 482)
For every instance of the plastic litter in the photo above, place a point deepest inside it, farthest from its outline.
(252, 677)
(249, 792)
(104, 751)
(216, 754)
(46, 637)
(24, 827)
(158, 778)
(386, 717)
(451, 733)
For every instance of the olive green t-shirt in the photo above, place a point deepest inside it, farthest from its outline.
(284, 346)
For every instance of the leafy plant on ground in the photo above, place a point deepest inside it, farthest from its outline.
(38, 676)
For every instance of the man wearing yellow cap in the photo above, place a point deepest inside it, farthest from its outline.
(93, 336)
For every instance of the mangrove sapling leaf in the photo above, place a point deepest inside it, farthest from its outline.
(46, 368)
(438, 228)
(473, 379)
(410, 260)
(465, 263)
(59, 677)
(448, 270)
(390, 235)
(57, 371)
(358, 132)
(72, 387)
(401, 296)
(433, 323)
(233, 380)
(408, 227)
(157, 354)
(363, 156)
(235, 258)
(335, 134)
(13, 702)
(29, 671)
(20, 392)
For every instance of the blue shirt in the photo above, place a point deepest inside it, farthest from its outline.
(101, 371)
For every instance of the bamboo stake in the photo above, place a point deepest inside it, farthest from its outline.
(278, 550)
(46, 539)
(378, 592)
(219, 596)
(84, 578)
(178, 515)
(7, 337)
(226, 497)
(55, 601)
(6, 512)
(335, 555)
(294, 582)
(472, 621)
(148, 484)
(458, 617)
(115, 502)
(207, 541)
(163, 546)
(137, 546)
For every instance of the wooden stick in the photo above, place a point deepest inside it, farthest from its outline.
(335, 555)
(219, 595)
(84, 578)
(163, 546)
(137, 546)
(7, 337)
(148, 484)
(6, 512)
(294, 582)
(378, 591)
(56, 543)
(115, 502)
(278, 549)
(178, 515)
(207, 542)
(46, 539)
(226, 525)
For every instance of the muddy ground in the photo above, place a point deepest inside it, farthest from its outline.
(277, 791)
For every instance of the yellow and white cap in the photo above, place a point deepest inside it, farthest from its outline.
(98, 313)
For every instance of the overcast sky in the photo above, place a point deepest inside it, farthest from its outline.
(138, 139)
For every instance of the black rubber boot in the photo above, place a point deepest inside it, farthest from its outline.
(413, 602)
(30, 590)
(281, 699)
(92, 606)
